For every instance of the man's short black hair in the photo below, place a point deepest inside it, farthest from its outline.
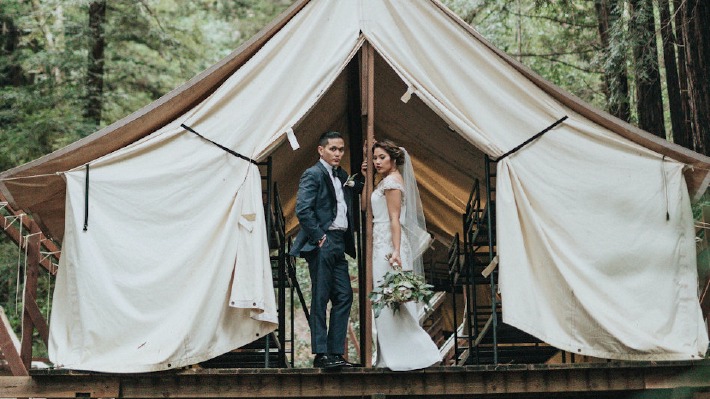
(323, 141)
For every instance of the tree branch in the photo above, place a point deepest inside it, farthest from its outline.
(553, 59)
(585, 51)
(561, 22)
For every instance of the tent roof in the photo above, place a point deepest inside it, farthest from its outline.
(37, 187)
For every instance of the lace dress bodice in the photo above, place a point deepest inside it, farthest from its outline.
(381, 231)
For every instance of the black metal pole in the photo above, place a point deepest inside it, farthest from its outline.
(489, 219)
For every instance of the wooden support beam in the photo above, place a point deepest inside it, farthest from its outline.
(368, 106)
(705, 218)
(10, 346)
(28, 224)
(354, 122)
(703, 272)
(89, 387)
(31, 275)
(503, 381)
(31, 315)
(14, 234)
(38, 320)
(364, 79)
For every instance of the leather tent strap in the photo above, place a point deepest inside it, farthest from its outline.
(236, 154)
(528, 141)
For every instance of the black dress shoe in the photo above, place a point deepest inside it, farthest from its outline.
(346, 363)
(327, 362)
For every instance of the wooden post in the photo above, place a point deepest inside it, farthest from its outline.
(354, 118)
(38, 319)
(33, 257)
(705, 218)
(9, 346)
(703, 273)
(367, 88)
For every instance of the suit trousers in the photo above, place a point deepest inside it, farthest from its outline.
(330, 281)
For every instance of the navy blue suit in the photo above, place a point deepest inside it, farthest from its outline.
(316, 208)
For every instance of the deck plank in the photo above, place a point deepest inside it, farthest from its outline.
(679, 378)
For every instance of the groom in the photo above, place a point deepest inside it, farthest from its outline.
(325, 214)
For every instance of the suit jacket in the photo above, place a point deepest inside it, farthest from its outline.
(316, 208)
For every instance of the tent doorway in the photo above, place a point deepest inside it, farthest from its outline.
(446, 165)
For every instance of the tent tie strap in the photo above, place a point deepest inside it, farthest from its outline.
(665, 188)
(86, 199)
(531, 139)
(236, 154)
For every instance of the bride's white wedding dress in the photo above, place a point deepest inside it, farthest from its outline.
(402, 344)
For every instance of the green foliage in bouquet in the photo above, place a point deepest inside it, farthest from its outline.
(399, 287)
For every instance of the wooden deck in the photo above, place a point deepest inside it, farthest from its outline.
(597, 380)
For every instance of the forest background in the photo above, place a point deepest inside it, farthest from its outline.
(71, 67)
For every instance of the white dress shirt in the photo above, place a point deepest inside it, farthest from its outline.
(341, 219)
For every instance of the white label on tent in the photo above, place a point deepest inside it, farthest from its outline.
(408, 94)
(292, 139)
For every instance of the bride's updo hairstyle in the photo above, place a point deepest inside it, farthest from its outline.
(395, 153)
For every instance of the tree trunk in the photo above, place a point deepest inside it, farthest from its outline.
(10, 72)
(669, 61)
(95, 70)
(696, 34)
(703, 18)
(616, 85)
(52, 44)
(602, 9)
(685, 138)
(649, 100)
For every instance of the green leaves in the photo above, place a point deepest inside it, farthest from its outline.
(399, 287)
(557, 39)
(152, 46)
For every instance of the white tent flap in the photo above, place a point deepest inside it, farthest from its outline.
(174, 268)
(588, 261)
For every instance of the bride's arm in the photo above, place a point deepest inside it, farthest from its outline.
(394, 207)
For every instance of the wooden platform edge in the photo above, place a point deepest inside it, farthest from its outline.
(501, 381)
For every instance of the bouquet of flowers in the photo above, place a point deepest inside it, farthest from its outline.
(398, 287)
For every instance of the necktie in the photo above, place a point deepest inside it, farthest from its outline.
(335, 172)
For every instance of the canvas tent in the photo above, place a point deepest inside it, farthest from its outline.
(594, 227)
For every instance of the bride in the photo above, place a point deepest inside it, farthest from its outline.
(399, 238)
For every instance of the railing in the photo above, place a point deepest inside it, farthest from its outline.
(454, 262)
(39, 251)
(490, 189)
(702, 233)
(287, 272)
